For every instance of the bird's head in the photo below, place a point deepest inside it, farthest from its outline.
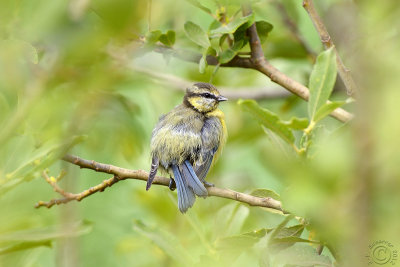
(203, 97)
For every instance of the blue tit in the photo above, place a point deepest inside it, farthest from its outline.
(187, 140)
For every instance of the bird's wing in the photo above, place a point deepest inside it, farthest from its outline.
(192, 180)
(202, 170)
(211, 136)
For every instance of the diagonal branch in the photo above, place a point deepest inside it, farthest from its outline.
(120, 174)
(326, 40)
(263, 66)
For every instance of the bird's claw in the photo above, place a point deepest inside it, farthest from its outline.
(172, 184)
(208, 184)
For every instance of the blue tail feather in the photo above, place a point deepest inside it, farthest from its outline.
(186, 196)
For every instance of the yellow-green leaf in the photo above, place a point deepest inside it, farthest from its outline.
(263, 29)
(296, 123)
(326, 109)
(195, 33)
(233, 25)
(269, 120)
(261, 192)
(322, 80)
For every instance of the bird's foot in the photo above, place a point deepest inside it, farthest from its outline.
(208, 184)
(172, 184)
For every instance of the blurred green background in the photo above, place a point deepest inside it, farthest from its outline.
(78, 76)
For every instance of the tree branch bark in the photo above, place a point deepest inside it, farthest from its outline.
(120, 174)
(326, 40)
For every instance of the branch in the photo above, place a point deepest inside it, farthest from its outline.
(120, 174)
(294, 30)
(326, 40)
(263, 66)
(237, 93)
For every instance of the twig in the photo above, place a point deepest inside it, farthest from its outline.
(232, 94)
(326, 40)
(120, 174)
(294, 30)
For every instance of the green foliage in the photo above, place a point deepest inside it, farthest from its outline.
(195, 33)
(265, 193)
(232, 26)
(263, 29)
(68, 84)
(168, 38)
(326, 109)
(269, 120)
(322, 80)
(296, 123)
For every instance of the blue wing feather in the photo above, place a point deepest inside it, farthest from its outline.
(192, 179)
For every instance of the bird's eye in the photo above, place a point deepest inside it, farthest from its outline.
(208, 95)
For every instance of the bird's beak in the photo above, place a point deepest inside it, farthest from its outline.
(221, 98)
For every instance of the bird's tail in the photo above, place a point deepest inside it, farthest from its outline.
(188, 185)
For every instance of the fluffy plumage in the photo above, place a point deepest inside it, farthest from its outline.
(187, 140)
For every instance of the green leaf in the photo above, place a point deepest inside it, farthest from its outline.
(197, 4)
(326, 109)
(278, 142)
(196, 34)
(322, 80)
(48, 233)
(168, 38)
(24, 246)
(214, 25)
(268, 119)
(295, 230)
(166, 242)
(265, 193)
(240, 34)
(296, 123)
(293, 239)
(260, 233)
(286, 236)
(263, 29)
(301, 255)
(282, 225)
(153, 37)
(171, 36)
(203, 63)
(233, 25)
(226, 56)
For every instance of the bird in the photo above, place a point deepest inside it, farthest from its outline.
(187, 141)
